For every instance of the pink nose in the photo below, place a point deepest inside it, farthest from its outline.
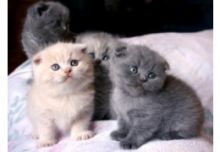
(67, 71)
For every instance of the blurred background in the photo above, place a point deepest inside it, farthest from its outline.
(122, 17)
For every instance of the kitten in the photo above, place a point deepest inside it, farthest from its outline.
(45, 23)
(62, 93)
(150, 104)
(99, 47)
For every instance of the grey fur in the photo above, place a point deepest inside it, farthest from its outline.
(163, 107)
(101, 45)
(45, 24)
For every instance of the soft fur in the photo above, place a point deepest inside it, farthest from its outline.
(161, 107)
(99, 47)
(45, 23)
(61, 99)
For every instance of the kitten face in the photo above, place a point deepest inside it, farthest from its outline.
(100, 55)
(62, 63)
(51, 16)
(139, 70)
(100, 46)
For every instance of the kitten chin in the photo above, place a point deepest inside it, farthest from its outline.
(55, 103)
(133, 91)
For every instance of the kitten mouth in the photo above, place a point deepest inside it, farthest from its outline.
(137, 86)
(68, 77)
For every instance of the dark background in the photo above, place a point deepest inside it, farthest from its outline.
(122, 17)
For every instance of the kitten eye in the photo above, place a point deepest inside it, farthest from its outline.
(74, 62)
(67, 27)
(57, 22)
(134, 69)
(151, 75)
(55, 67)
(92, 55)
(105, 58)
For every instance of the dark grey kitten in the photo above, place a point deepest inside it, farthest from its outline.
(46, 23)
(149, 103)
(99, 47)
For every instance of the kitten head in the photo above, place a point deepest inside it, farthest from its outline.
(100, 45)
(63, 64)
(52, 17)
(138, 70)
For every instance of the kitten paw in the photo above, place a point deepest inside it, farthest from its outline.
(118, 136)
(34, 135)
(84, 135)
(46, 143)
(127, 144)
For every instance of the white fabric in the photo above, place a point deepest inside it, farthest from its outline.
(103, 143)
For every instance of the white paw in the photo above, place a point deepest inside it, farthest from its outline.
(34, 135)
(46, 143)
(83, 135)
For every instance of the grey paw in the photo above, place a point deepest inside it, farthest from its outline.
(128, 144)
(118, 136)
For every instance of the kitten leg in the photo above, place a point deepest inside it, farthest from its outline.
(142, 130)
(47, 133)
(80, 128)
(181, 130)
(34, 134)
(178, 134)
(137, 136)
(122, 130)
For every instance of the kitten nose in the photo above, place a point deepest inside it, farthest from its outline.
(98, 61)
(143, 79)
(68, 70)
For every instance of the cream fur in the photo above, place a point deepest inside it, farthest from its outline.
(57, 102)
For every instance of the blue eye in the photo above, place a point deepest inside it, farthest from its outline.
(92, 55)
(55, 67)
(133, 69)
(151, 75)
(105, 58)
(74, 62)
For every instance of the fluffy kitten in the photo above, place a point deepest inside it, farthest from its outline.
(150, 104)
(62, 93)
(99, 47)
(46, 23)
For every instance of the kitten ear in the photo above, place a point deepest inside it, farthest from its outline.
(37, 59)
(121, 51)
(41, 8)
(166, 66)
(81, 47)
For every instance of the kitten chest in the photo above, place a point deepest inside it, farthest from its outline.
(122, 104)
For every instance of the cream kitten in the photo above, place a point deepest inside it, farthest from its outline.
(62, 93)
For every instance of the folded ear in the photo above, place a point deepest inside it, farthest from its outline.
(81, 47)
(37, 59)
(41, 8)
(120, 51)
(166, 66)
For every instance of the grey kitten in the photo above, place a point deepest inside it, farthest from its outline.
(99, 47)
(45, 24)
(149, 103)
